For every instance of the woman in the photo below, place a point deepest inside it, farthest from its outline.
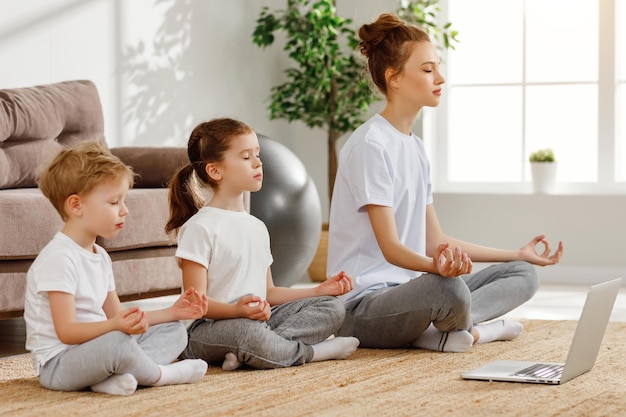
(412, 283)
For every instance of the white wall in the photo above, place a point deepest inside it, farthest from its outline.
(163, 66)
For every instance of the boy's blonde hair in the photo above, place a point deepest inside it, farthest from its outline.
(78, 170)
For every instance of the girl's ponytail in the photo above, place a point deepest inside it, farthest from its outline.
(185, 198)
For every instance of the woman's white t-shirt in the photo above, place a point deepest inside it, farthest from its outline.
(378, 165)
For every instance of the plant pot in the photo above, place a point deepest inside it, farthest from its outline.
(544, 176)
(317, 268)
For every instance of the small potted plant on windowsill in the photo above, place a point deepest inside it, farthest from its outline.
(543, 170)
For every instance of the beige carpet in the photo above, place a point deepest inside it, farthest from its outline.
(370, 383)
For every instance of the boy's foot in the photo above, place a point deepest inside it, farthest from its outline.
(187, 371)
(117, 384)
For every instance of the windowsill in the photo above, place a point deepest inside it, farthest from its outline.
(526, 189)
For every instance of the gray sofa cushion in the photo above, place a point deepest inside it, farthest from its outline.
(153, 166)
(36, 121)
(29, 221)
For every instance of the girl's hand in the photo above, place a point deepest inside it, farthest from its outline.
(254, 308)
(131, 321)
(451, 264)
(529, 252)
(190, 305)
(337, 285)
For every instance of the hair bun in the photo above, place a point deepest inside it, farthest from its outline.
(373, 34)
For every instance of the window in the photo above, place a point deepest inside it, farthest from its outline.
(620, 159)
(526, 75)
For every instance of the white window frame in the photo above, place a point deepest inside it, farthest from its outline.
(434, 127)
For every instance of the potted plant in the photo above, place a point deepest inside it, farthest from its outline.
(327, 86)
(425, 13)
(543, 170)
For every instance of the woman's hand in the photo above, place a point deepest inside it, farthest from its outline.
(337, 285)
(529, 252)
(254, 308)
(448, 263)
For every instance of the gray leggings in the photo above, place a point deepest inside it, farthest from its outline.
(284, 340)
(393, 317)
(84, 365)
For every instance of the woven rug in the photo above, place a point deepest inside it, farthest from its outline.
(371, 382)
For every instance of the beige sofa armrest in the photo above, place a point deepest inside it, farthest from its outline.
(154, 166)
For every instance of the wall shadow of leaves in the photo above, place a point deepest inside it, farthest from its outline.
(159, 78)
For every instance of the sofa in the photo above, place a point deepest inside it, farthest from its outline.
(35, 122)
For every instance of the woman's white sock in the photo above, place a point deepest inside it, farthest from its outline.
(434, 339)
(498, 330)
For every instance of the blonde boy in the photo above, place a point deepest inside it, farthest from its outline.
(79, 334)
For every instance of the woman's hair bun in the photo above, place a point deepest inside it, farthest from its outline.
(372, 34)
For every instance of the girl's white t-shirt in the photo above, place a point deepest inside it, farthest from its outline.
(64, 266)
(233, 246)
(378, 165)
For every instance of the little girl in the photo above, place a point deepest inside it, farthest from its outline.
(79, 334)
(224, 252)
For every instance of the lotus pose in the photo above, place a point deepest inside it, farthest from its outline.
(224, 252)
(79, 334)
(414, 284)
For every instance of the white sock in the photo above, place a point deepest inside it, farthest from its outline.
(335, 348)
(498, 330)
(187, 371)
(434, 339)
(231, 362)
(117, 384)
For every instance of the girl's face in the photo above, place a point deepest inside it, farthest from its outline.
(241, 169)
(419, 82)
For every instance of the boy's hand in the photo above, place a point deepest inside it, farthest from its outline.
(131, 321)
(190, 305)
(254, 308)
(337, 285)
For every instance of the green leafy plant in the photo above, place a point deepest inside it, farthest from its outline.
(326, 87)
(542, 155)
(424, 13)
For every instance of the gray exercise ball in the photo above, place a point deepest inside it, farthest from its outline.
(289, 205)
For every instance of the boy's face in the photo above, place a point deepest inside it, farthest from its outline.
(104, 210)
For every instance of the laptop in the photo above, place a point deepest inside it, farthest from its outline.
(582, 353)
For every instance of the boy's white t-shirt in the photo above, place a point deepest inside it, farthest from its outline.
(64, 266)
(233, 246)
(378, 165)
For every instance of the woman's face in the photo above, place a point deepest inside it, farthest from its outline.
(418, 84)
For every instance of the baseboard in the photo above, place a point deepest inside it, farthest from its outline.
(573, 275)
(579, 275)
(549, 275)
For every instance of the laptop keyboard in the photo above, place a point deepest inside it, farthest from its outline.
(540, 370)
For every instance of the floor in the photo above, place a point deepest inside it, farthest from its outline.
(550, 303)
